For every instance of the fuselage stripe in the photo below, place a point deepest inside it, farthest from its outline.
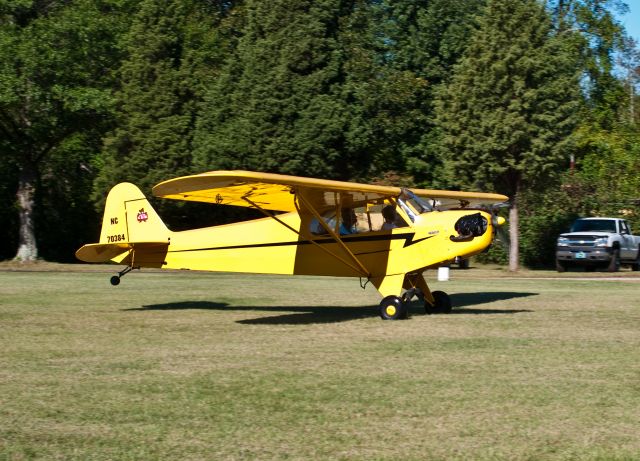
(349, 239)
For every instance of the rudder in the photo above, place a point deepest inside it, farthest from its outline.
(132, 231)
(130, 218)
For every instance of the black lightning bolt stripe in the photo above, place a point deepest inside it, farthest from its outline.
(408, 238)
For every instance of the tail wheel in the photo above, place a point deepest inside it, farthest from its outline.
(442, 303)
(392, 308)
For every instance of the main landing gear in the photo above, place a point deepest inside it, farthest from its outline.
(115, 280)
(397, 307)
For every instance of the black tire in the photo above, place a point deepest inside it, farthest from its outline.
(442, 304)
(392, 308)
(115, 280)
(636, 265)
(560, 266)
(463, 264)
(614, 263)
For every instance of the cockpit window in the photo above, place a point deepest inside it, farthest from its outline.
(380, 215)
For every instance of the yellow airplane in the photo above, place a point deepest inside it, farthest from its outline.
(384, 235)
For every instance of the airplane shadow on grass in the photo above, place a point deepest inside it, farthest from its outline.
(334, 314)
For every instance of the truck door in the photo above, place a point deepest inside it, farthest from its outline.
(627, 251)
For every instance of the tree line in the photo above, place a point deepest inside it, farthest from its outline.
(534, 99)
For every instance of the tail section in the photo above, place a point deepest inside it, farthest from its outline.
(129, 217)
(132, 231)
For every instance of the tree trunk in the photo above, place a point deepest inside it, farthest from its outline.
(27, 247)
(514, 244)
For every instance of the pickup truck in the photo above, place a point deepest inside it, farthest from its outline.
(598, 242)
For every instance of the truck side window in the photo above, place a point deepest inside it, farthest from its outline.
(624, 229)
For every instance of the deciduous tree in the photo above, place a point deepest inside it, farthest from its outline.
(56, 61)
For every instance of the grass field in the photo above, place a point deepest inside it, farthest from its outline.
(222, 367)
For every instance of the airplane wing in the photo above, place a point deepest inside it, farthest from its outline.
(269, 191)
(276, 192)
(447, 199)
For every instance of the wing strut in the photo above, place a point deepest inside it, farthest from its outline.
(270, 215)
(360, 267)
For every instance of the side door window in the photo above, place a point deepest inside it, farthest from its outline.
(626, 239)
(624, 229)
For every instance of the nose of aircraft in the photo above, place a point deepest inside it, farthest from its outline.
(470, 226)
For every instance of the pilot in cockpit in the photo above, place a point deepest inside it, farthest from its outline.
(348, 222)
(390, 216)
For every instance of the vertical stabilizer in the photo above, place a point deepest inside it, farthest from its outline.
(132, 232)
(129, 218)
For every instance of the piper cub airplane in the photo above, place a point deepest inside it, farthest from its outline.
(385, 235)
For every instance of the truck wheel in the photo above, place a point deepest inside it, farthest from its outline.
(614, 264)
(636, 265)
(560, 267)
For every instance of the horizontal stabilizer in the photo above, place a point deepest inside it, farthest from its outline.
(146, 254)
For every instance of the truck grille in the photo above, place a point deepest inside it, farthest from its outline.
(583, 241)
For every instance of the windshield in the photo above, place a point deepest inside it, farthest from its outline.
(418, 204)
(594, 225)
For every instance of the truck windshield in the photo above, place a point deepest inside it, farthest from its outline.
(594, 225)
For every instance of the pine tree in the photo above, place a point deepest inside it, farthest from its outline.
(508, 113)
(171, 48)
(277, 104)
(423, 42)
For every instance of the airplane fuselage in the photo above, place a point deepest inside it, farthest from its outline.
(270, 247)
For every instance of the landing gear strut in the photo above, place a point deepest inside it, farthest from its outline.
(115, 280)
(397, 307)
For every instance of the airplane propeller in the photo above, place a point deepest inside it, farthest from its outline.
(498, 223)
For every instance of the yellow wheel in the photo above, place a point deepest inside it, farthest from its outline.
(392, 308)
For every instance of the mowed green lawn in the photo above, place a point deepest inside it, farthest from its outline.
(192, 366)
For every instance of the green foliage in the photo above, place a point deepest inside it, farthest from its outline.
(275, 106)
(8, 212)
(423, 40)
(609, 176)
(543, 217)
(428, 38)
(56, 73)
(97, 92)
(600, 37)
(507, 114)
(171, 49)
(158, 95)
